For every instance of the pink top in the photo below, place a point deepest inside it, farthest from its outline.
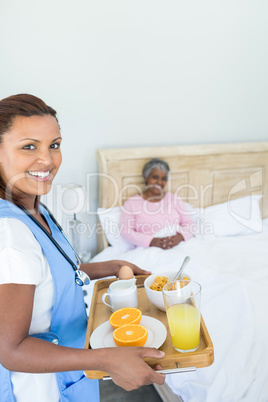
(142, 219)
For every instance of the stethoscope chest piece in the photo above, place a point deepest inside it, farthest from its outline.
(81, 278)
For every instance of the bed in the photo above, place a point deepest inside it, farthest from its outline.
(226, 188)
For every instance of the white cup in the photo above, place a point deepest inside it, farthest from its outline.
(122, 293)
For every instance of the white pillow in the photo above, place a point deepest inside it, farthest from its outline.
(110, 221)
(235, 217)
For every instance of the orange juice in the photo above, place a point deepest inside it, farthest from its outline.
(184, 325)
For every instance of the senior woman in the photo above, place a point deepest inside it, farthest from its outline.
(155, 218)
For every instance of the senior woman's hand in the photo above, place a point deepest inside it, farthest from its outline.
(167, 242)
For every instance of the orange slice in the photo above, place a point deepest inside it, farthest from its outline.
(126, 315)
(130, 335)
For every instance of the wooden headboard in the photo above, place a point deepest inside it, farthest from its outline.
(201, 175)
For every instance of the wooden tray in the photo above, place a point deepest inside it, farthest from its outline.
(99, 313)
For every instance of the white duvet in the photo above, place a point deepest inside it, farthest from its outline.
(233, 272)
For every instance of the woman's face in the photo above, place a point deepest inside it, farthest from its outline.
(156, 182)
(30, 156)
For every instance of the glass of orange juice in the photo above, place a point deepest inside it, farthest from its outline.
(182, 301)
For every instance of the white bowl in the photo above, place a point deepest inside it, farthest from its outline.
(156, 296)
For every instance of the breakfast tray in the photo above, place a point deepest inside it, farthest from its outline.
(99, 313)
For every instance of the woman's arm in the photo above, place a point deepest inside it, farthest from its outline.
(96, 270)
(19, 352)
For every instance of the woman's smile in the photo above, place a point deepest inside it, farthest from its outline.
(40, 175)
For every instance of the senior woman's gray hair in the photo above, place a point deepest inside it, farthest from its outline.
(155, 163)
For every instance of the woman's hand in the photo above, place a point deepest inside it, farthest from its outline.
(136, 270)
(167, 242)
(175, 240)
(127, 368)
(96, 270)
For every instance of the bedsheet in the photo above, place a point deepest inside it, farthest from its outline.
(233, 272)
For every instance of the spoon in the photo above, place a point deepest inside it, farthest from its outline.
(185, 262)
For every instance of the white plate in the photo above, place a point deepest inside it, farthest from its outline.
(102, 337)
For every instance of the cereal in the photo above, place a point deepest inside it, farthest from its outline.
(159, 282)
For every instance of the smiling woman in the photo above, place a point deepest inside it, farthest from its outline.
(30, 153)
(42, 331)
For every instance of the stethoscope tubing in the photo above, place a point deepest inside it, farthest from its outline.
(81, 278)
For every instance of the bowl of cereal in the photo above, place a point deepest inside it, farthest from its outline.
(154, 283)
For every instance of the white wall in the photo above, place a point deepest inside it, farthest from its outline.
(125, 73)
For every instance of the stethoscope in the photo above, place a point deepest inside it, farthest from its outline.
(81, 278)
